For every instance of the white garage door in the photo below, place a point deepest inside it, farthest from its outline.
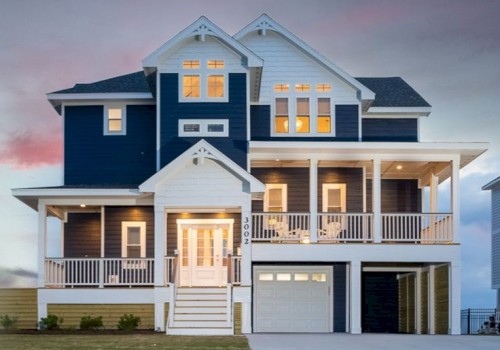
(292, 299)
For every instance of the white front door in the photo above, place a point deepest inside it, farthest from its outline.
(203, 251)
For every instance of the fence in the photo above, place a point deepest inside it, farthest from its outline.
(476, 321)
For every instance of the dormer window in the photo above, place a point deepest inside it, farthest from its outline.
(302, 87)
(203, 81)
(323, 87)
(114, 120)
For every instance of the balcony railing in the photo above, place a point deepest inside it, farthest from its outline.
(417, 228)
(98, 272)
(280, 227)
(235, 270)
(424, 228)
(343, 227)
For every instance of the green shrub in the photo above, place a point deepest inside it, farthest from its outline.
(50, 323)
(90, 323)
(128, 322)
(8, 322)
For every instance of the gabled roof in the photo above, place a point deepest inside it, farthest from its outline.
(202, 149)
(393, 92)
(133, 82)
(264, 23)
(202, 27)
(492, 184)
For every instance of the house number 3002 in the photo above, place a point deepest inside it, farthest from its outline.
(246, 230)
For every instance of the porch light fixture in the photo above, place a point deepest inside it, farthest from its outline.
(82, 205)
(399, 167)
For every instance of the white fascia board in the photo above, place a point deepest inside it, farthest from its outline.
(149, 186)
(75, 192)
(154, 58)
(348, 150)
(101, 96)
(492, 184)
(419, 111)
(366, 94)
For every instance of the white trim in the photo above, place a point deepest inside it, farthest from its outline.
(343, 196)
(158, 120)
(142, 230)
(100, 96)
(123, 119)
(420, 111)
(284, 196)
(264, 22)
(203, 128)
(201, 27)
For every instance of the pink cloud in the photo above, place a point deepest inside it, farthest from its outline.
(28, 151)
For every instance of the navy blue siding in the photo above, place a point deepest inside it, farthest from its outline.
(345, 118)
(91, 158)
(339, 297)
(402, 130)
(235, 146)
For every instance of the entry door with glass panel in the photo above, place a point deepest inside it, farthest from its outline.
(334, 204)
(203, 251)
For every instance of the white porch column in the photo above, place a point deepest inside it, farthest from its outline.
(418, 302)
(246, 243)
(313, 199)
(160, 246)
(455, 198)
(454, 298)
(42, 242)
(432, 304)
(355, 279)
(433, 193)
(376, 201)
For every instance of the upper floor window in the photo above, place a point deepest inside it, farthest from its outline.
(134, 239)
(302, 87)
(281, 87)
(281, 115)
(199, 83)
(114, 120)
(323, 87)
(203, 127)
(324, 120)
(275, 198)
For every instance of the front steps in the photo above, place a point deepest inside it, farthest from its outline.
(201, 311)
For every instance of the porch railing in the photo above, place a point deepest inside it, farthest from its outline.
(169, 269)
(345, 227)
(99, 272)
(235, 270)
(417, 228)
(280, 227)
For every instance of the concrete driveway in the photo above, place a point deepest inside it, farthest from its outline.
(372, 342)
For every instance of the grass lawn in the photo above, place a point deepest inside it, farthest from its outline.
(125, 341)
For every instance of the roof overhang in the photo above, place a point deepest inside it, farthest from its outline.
(492, 184)
(264, 22)
(202, 149)
(77, 196)
(399, 111)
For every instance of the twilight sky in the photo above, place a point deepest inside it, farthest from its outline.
(448, 50)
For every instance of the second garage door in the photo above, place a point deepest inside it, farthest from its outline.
(292, 299)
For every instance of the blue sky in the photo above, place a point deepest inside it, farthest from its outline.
(446, 49)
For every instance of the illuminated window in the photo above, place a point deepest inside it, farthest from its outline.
(323, 87)
(215, 64)
(265, 276)
(283, 277)
(114, 120)
(303, 117)
(324, 116)
(301, 277)
(281, 115)
(319, 277)
(281, 87)
(215, 86)
(191, 86)
(191, 64)
(302, 87)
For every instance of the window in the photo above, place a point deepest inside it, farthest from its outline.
(202, 80)
(281, 87)
(191, 86)
(334, 198)
(191, 64)
(114, 120)
(134, 239)
(281, 115)
(323, 87)
(215, 64)
(204, 127)
(275, 198)
(215, 86)
(302, 119)
(302, 87)
(283, 277)
(324, 120)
